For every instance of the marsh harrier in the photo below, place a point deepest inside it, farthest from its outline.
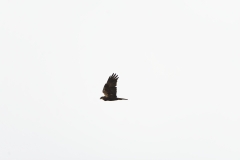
(110, 89)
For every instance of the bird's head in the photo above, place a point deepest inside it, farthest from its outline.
(103, 98)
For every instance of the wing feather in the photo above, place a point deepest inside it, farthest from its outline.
(110, 89)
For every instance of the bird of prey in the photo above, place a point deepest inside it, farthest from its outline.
(110, 89)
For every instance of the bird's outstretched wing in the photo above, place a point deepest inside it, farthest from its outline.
(110, 89)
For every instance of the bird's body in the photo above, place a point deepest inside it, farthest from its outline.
(110, 89)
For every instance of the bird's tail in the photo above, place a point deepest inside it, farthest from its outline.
(122, 99)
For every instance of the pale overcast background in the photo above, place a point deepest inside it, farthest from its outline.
(178, 63)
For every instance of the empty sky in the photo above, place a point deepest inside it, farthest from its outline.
(178, 63)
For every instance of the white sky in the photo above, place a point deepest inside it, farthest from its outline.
(178, 63)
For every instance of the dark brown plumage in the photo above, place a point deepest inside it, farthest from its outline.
(110, 89)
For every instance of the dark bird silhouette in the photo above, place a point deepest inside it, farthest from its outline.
(110, 89)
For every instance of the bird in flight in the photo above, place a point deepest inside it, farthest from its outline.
(110, 89)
